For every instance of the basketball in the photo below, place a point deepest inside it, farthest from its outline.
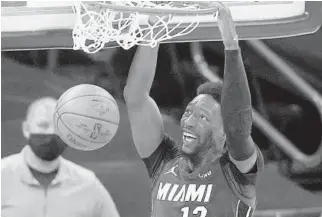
(86, 117)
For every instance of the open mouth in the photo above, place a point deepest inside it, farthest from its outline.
(188, 137)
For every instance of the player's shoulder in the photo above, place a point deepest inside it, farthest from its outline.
(9, 163)
(169, 140)
(172, 163)
(78, 172)
(171, 146)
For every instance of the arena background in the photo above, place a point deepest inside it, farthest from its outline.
(28, 75)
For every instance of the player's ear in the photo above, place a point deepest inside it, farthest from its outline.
(25, 129)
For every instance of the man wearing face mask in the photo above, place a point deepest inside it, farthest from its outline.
(39, 182)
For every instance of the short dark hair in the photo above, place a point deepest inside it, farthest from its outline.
(211, 88)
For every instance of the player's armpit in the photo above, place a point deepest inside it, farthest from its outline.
(249, 177)
(166, 151)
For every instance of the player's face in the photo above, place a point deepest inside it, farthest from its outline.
(199, 123)
(39, 130)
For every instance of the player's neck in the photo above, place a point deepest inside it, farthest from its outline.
(198, 160)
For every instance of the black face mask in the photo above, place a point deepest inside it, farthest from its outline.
(46, 146)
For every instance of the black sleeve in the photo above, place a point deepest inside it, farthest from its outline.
(236, 100)
(242, 184)
(166, 151)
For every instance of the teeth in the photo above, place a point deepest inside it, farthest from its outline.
(188, 136)
(188, 139)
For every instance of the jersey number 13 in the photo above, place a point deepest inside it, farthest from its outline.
(199, 211)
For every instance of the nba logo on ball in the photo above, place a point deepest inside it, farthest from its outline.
(86, 117)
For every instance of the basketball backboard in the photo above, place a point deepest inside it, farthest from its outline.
(27, 25)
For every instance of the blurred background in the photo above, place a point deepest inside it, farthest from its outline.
(285, 185)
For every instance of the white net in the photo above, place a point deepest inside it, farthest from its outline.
(130, 23)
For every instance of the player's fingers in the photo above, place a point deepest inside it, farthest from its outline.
(223, 10)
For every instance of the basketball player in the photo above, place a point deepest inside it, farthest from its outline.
(39, 182)
(214, 170)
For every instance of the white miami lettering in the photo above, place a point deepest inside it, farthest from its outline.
(190, 192)
(163, 191)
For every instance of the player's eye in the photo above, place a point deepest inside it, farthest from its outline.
(188, 111)
(203, 117)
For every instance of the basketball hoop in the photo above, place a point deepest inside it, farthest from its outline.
(130, 23)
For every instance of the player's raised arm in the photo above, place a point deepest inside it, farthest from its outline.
(144, 115)
(235, 98)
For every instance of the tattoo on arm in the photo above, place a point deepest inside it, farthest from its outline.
(238, 124)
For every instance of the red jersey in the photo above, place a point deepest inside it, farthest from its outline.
(218, 189)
